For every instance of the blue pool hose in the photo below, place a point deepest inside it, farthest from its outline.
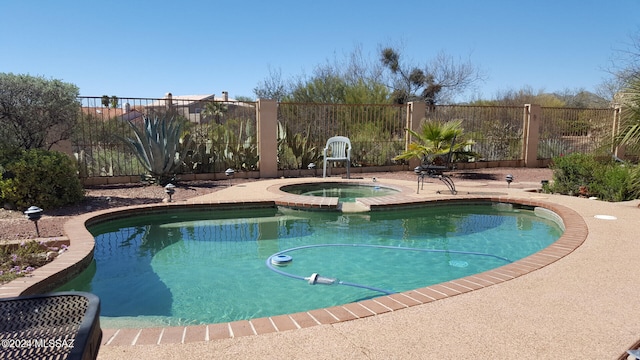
(315, 278)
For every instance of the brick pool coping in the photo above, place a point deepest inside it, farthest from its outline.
(80, 254)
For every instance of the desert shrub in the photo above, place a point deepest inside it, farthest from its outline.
(613, 184)
(634, 181)
(588, 175)
(47, 179)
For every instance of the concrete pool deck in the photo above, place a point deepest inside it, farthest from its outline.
(580, 306)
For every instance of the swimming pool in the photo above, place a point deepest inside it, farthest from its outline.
(208, 267)
(345, 192)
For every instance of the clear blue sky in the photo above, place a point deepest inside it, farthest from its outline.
(147, 48)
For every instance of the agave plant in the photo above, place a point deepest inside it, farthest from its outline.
(157, 146)
(434, 139)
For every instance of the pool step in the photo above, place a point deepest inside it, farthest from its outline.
(353, 207)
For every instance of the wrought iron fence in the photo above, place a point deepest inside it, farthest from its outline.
(570, 130)
(223, 134)
(376, 132)
(495, 130)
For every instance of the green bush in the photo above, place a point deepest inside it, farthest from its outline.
(47, 179)
(613, 184)
(572, 171)
(588, 175)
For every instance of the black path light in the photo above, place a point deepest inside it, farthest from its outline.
(229, 172)
(170, 189)
(509, 180)
(34, 214)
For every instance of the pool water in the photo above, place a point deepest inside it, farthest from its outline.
(345, 192)
(210, 267)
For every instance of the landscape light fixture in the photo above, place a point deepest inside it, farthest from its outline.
(34, 214)
(170, 189)
(509, 180)
(229, 172)
(312, 166)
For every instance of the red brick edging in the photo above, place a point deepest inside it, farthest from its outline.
(82, 243)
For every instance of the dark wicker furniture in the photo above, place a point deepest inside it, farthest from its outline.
(63, 325)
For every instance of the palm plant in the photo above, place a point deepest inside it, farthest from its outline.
(157, 146)
(215, 110)
(630, 135)
(435, 139)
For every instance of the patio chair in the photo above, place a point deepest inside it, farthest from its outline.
(435, 167)
(338, 148)
(62, 325)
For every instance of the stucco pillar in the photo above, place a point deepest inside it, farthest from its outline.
(531, 134)
(618, 150)
(415, 113)
(267, 133)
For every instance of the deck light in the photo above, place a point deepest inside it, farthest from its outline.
(229, 172)
(34, 214)
(312, 166)
(509, 180)
(170, 189)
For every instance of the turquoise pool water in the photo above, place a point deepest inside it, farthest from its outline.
(345, 192)
(208, 267)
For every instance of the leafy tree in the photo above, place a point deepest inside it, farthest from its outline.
(245, 98)
(436, 82)
(105, 100)
(352, 81)
(36, 112)
(524, 95)
(324, 88)
(366, 92)
(624, 70)
(272, 87)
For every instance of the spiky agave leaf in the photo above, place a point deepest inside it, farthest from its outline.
(157, 145)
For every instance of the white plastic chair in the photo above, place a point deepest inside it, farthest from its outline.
(338, 148)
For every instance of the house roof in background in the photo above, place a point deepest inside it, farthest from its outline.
(189, 99)
(103, 111)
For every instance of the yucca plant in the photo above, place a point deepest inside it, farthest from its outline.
(157, 146)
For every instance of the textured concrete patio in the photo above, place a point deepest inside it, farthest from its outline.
(582, 306)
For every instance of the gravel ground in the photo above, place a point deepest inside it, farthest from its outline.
(15, 226)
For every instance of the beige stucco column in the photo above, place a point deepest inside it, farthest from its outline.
(267, 132)
(531, 134)
(415, 113)
(618, 150)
